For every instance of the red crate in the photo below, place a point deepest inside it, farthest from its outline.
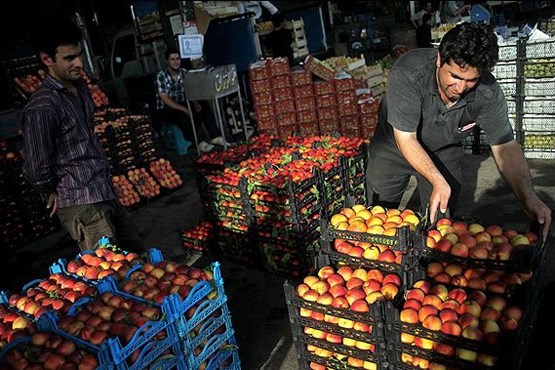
(279, 66)
(301, 77)
(324, 101)
(323, 87)
(286, 131)
(347, 109)
(303, 91)
(266, 123)
(346, 97)
(349, 122)
(285, 106)
(369, 119)
(353, 132)
(309, 129)
(279, 82)
(306, 116)
(263, 111)
(282, 94)
(287, 118)
(306, 103)
(345, 84)
(368, 106)
(367, 132)
(262, 98)
(261, 86)
(258, 71)
(328, 125)
(327, 113)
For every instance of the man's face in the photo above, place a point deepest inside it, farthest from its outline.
(66, 64)
(174, 61)
(454, 80)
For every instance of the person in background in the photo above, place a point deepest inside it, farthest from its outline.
(256, 8)
(281, 38)
(453, 10)
(62, 155)
(417, 18)
(172, 106)
(434, 99)
(424, 32)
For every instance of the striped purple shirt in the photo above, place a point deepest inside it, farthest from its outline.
(61, 151)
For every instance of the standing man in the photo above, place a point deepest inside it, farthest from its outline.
(424, 32)
(62, 155)
(433, 101)
(255, 7)
(172, 107)
(453, 11)
(417, 18)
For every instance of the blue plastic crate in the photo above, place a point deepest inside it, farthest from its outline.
(212, 346)
(173, 139)
(223, 355)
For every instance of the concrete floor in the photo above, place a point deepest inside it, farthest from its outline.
(256, 298)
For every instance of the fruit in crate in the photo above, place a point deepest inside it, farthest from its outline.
(103, 262)
(165, 174)
(145, 185)
(375, 220)
(127, 195)
(13, 324)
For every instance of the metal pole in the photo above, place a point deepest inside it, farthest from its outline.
(193, 124)
(242, 112)
(220, 121)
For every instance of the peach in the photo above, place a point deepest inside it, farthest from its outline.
(442, 278)
(531, 236)
(325, 271)
(460, 225)
(374, 297)
(415, 293)
(444, 349)
(430, 242)
(393, 279)
(487, 360)
(496, 240)
(321, 286)
(424, 285)
(356, 252)
(478, 296)
(333, 338)
(371, 253)
(446, 229)
(448, 314)
(335, 279)
(349, 342)
(435, 234)
(444, 221)
(467, 319)
(496, 302)
(337, 219)
(423, 343)
(434, 268)
(311, 295)
(363, 346)
(453, 269)
(325, 299)
(432, 300)
(310, 280)
(451, 328)
(318, 316)
(375, 274)
(305, 312)
(371, 286)
(389, 291)
(364, 214)
(473, 272)
(360, 326)
(476, 283)
(482, 236)
(513, 311)
(432, 322)
(355, 294)
(319, 334)
(360, 273)
(475, 228)
(471, 307)
(451, 304)
(487, 245)
(345, 272)
(498, 287)
(494, 230)
(460, 250)
(438, 366)
(508, 323)
(425, 311)
(331, 319)
(440, 290)
(504, 251)
(338, 291)
(468, 240)
(420, 362)
(444, 245)
(459, 280)
(510, 233)
(457, 294)
(519, 240)
(466, 354)
(340, 302)
(374, 221)
(473, 333)
(387, 256)
(478, 253)
(375, 229)
(354, 282)
(346, 323)
(360, 305)
(348, 212)
(406, 337)
(452, 237)
(412, 303)
(489, 313)
(301, 289)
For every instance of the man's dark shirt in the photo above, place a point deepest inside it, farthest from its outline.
(61, 151)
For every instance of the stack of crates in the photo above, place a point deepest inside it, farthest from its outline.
(299, 44)
(347, 107)
(326, 105)
(368, 109)
(305, 103)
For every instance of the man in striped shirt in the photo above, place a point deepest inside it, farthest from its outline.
(62, 155)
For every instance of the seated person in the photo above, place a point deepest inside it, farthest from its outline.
(172, 106)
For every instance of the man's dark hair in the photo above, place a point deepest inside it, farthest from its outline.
(47, 36)
(426, 18)
(470, 44)
(171, 50)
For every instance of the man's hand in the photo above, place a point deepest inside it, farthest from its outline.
(439, 199)
(538, 210)
(52, 204)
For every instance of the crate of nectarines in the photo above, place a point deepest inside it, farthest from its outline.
(339, 309)
(471, 244)
(453, 327)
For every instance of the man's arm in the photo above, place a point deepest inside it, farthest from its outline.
(269, 6)
(513, 166)
(169, 102)
(418, 158)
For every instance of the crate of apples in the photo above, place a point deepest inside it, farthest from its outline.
(165, 173)
(145, 185)
(127, 195)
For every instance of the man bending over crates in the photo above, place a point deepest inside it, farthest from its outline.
(433, 101)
